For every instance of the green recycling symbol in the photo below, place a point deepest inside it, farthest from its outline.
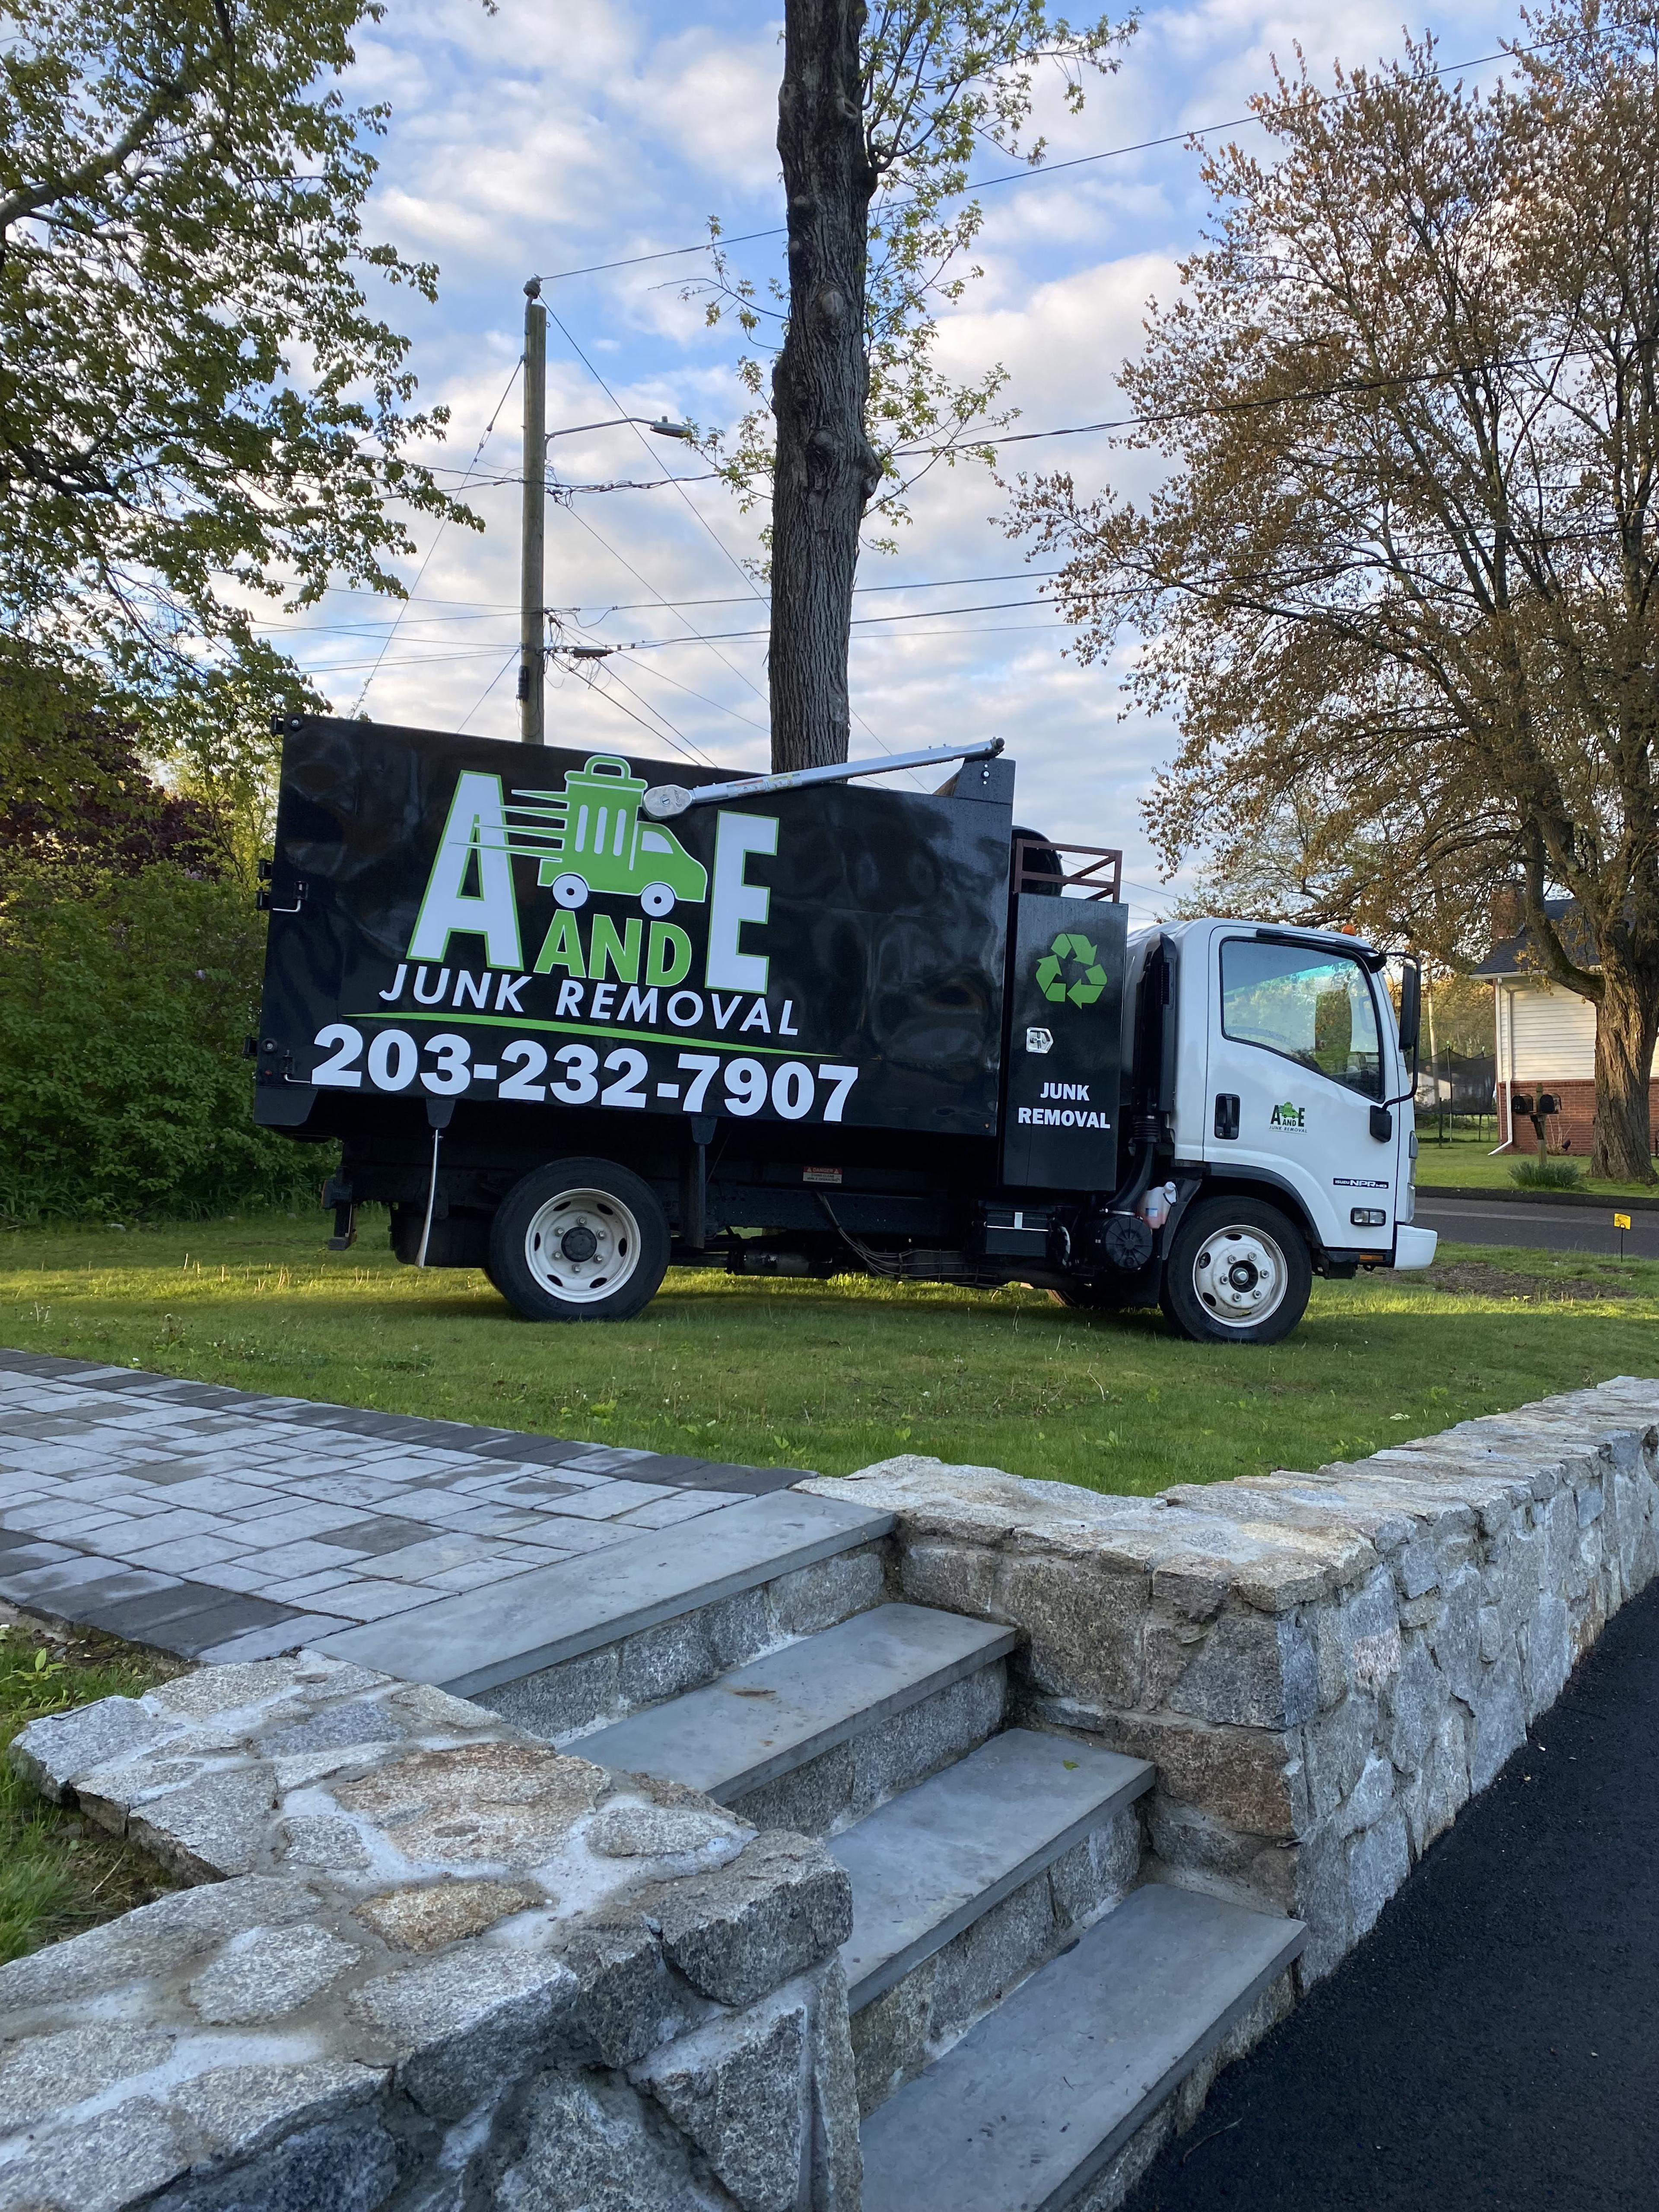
(1051, 973)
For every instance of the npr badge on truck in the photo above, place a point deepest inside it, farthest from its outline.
(569, 1021)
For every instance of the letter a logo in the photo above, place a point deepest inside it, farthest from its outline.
(477, 827)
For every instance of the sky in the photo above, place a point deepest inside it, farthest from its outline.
(541, 140)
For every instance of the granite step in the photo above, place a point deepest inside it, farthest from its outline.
(481, 1639)
(1023, 2113)
(927, 1865)
(816, 1735)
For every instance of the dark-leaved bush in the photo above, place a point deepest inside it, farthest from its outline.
(123, 1001)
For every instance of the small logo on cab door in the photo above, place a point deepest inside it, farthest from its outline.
(1039, 1040)
(1288, 1117)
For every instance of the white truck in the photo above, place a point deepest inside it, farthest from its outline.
(813, 1027)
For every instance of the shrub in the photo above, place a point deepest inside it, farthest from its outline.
(1546, 1174)
(123, 1002)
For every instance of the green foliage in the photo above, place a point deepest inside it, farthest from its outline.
(58, 1874)
(74, 788)
(196, 400)
(1546, 1174)
(123, 1001)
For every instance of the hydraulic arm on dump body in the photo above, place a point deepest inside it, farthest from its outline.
(810, 1027)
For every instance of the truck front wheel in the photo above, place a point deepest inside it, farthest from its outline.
(578, 1240)
(1238, 1272)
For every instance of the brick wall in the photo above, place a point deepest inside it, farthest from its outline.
(1573, 1129)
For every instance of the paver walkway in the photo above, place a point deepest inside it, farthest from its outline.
(222, 1525)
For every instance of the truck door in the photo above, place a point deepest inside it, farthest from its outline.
(1297, 1062)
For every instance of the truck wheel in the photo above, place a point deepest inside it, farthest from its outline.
(1238, 1272)
(656, 899)
(578, 1240)
(570, 890)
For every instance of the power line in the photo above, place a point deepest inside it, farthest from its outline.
(859, 622)
(922, 584)
(486, 609)
(436, 535)
(406, 660)
(1025, 176)
(719, 705)
(695, 633)
(511, 658)
(661, 644)
(1354, 388)
(698, 516)
(650, 728)
(681, 743)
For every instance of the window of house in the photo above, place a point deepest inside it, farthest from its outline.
(1314, 1008)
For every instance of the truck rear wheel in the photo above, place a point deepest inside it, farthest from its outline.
(578, 1240)
(1238, 1272)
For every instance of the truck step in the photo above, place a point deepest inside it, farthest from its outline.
(482, 1638)
(846, 1703)
(928, 1864)
(1023, 2114)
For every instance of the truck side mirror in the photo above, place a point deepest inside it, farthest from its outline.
(1411, 1006)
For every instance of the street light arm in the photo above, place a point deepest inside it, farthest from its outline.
(662, 426)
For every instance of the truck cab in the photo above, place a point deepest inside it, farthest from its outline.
(1292, 1090)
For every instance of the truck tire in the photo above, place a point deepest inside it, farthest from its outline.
(1238, 1272)
(578, 1240)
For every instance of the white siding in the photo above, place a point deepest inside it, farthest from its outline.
(1554, 1036)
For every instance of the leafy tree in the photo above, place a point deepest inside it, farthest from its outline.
(124, 1000)
(129, 969)
(75, 790)
(880, 110)
(1401, 582)
(197, 405)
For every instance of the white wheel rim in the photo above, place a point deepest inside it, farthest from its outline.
(570, 890)
(1239, 1276)
(657, 900)
(582, 1246)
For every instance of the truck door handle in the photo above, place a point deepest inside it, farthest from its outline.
(1226, 1114)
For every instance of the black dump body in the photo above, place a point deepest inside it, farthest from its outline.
(822, 1015)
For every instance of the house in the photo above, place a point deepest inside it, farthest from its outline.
(1546, 1035)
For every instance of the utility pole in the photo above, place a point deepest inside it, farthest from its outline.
(532, 658)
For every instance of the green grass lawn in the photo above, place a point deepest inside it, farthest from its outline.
(1469, 1161)
(57, 1873)
(832, 1376)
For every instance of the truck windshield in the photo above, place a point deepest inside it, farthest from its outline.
(1315, 1008)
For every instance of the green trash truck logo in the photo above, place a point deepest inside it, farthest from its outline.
(587, 838)
(1070, 969)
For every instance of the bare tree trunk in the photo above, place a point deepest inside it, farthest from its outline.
(1626, 1021)
(826, 470)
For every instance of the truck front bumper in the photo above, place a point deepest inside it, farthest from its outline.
(1415, 1248)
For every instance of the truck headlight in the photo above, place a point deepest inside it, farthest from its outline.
(1368, 1217)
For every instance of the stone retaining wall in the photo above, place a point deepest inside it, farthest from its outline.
(434, 1964)
(1323, 1668)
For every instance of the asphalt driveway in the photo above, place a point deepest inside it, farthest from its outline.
(1494, 2041)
